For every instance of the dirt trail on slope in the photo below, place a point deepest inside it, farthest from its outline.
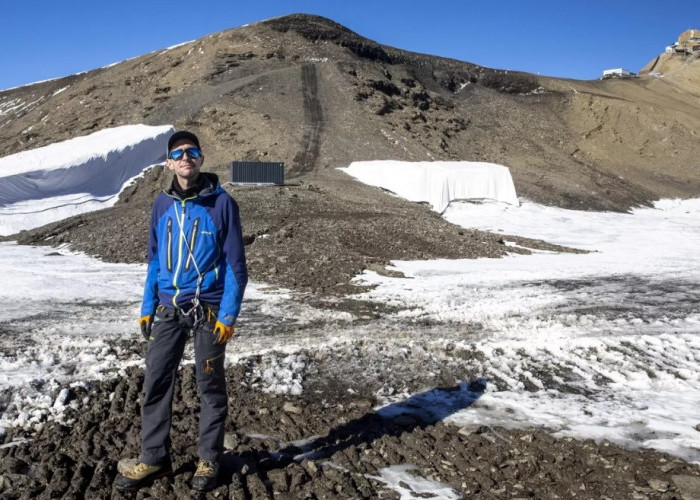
(305, 161)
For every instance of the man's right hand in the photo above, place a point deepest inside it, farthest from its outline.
(145, 323)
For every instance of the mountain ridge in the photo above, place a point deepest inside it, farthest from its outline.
(548, 125)
(306, 91)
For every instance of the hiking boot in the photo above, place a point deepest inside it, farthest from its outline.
(205, 477)
(134, 474)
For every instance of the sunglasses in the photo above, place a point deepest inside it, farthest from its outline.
(178, 154)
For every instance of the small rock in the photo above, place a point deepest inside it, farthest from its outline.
(125, 464)
(658, 485)
(256, 487)
(230, 441)
(290, 408)
(279, 479)
(310, 466)
(235, 488)
(689, 486)
(362, 404)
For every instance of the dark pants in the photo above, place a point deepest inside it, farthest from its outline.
(169, 335)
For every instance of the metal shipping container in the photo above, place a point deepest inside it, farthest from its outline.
(257, 172)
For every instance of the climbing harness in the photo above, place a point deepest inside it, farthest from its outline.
(196, 312)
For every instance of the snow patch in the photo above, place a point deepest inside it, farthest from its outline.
(281, 376)
(405, 480)
(597, 345)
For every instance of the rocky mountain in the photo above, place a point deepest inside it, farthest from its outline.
(679, 65)
(307, 91)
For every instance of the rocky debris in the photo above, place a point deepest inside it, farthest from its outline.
(510, 82)
(319, 452)
(301, 236)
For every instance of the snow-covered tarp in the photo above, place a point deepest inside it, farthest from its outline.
(79, 175)
(438, 182)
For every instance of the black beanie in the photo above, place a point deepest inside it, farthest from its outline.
(183, 134)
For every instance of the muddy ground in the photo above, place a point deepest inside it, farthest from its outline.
(327, 443)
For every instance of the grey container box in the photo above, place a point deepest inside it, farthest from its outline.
(257, 172)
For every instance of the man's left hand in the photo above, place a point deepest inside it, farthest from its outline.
(222, 332)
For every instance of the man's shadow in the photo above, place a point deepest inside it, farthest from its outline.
(418, 411)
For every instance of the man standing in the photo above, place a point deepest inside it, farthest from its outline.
(195, 282)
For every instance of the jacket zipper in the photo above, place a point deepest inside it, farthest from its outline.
(193, 240)
(170, 245)
(208, 368)
(179, 251)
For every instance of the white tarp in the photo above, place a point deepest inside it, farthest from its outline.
(79, 175)
(438, 182)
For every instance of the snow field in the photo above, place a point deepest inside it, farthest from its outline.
(601, 345)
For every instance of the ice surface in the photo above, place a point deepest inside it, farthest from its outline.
(75, 176)
(601, 345)
(438, 182)
(405, 480)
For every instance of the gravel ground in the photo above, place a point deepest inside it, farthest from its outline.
(327, 431)
(324, 444)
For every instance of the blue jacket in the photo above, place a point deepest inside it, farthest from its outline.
(202, 232)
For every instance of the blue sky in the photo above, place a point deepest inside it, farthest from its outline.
(568, 38)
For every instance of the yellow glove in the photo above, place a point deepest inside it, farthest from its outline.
(145, 323)
(222, 332)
